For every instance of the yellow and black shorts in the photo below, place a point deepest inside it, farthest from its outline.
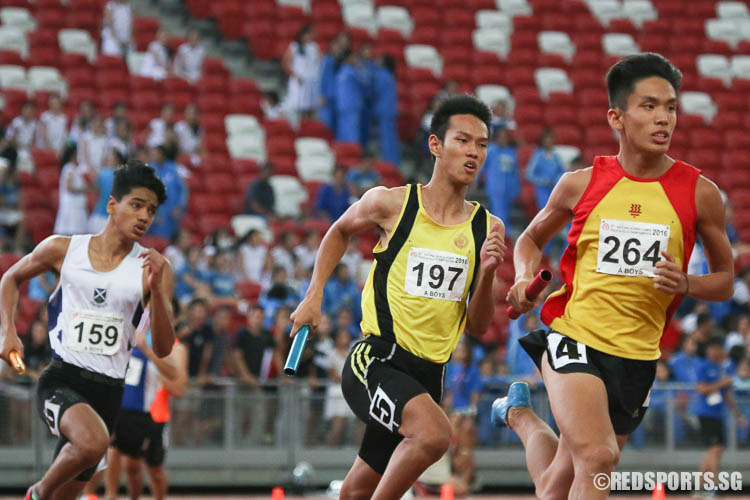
(379, 378)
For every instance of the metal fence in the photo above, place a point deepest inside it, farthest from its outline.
(227, 435)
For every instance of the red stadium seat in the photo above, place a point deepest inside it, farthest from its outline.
(705, 137)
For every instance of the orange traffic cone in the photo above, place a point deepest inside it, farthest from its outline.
(446, 492)
(659, 493)
(277, 493)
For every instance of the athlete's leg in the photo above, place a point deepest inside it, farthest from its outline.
(134, 473)
(360, 482)
(88, 439)
(427, 434)
(68, 491)
(712, 460)
(158, 477)
(540, 442)
(93, 484)
(112, 477)
(588, 434)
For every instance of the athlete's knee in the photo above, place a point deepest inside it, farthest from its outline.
(132, 467)
(434, 439)
(596, 458)
(351, 491)
(92, 446)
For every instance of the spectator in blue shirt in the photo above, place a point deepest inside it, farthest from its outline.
(501, 175)
(545, 168)
(714, 389)
(463, 384)
(329, 67)
(192, 281)
(363, 177)
(741, 386)
(520, 365)
(333, 197)
(222, 278)
(342, 291)
(350, 99)
(682, 366)
(105, 176)
(367, 69)
(278, 295)
(385, 108)
(170, 213)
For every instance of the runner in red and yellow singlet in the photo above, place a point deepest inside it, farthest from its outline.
(635, 218)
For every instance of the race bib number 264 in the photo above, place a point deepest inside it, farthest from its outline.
(628, 248)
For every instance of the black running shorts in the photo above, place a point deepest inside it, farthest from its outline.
(628, 381)
(379, 378)
(63, 385)
(138, 436)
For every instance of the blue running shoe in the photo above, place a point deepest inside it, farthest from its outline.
(518, 395)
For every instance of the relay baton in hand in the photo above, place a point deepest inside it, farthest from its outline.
(17, 362)
(533, 290)
(295, 353)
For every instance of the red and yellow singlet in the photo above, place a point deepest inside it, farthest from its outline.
(620, 226)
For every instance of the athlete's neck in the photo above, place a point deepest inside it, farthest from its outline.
(111, 244)
(445, 201)
(643, 165)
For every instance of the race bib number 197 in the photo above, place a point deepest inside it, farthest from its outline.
(628, 248)
(435, 274)
(95, 332)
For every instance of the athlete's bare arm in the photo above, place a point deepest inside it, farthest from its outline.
(47, 256)
(718, 285)
(379, 207)
(159, 282)
(482, 302)
(548, 222)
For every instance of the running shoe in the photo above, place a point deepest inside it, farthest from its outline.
(518, 395)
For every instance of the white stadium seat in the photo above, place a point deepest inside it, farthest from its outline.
(605, 10)
(47, 78)
(312, 146)
(741, 67)
(12, 38)
(424, 56)
(715, 66)
(242, 223)
(515, 7)
(552, 80)
(726, 30)
(639, 11)
(698, 103)
(619, 44)
(732, 10)
(556, 42)
(491, 94)
(315, 168)
(491, 40)
(78, 42)
(13, 77)
(17, 17)
(242, 125)
(567, 154)
(344, 3)
(288, 193)
(494, 19)
(395, 18)
(305, 4)
(360, 16)
(251, 147)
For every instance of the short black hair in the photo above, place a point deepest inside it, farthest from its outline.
(463, 104)
(625, 73)
(703, 318)
(136, 174)
(715, 340)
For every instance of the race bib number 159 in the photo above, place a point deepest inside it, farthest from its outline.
(95, 332)
(628, 248)
(435, 274)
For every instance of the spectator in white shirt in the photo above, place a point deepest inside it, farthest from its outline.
(189, 131)
(117, 28)
(119, 113)
(308, 251)
(252, 252)
(53, 126)
(157, 128)
(94, 146)
(155, 63)
(283, 253)
(21, 134)
(82, 122)
(121, 141)
(72, 210)
(188, 63)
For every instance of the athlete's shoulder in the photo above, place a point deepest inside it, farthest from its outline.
(707, 194)
(385, 200)
(53, 247)
(576, 181)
